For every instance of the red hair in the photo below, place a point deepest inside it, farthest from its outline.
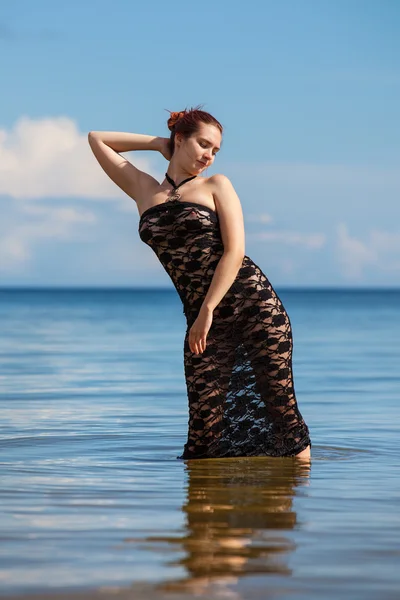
(186, 122)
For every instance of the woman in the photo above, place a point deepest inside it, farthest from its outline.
(238, 343)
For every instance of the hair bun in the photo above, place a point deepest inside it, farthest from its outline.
(174, 117)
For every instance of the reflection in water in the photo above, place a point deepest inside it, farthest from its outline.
(238, 515)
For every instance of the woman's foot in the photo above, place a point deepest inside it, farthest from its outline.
(306, 453)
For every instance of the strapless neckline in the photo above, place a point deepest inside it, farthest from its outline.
(168, 203)
(240, 390)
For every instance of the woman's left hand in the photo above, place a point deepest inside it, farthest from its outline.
(199, 330)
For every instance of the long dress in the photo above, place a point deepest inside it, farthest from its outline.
(240, 388)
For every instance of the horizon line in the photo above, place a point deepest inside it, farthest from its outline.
(173, 289)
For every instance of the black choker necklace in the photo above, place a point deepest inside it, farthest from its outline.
(175, 195)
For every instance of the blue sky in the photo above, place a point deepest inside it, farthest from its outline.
(308, 93)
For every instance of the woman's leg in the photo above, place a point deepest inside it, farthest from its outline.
(267, 336)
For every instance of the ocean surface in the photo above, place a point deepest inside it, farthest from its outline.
(94, 413)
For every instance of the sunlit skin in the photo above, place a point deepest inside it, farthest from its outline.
(203, 146)
(306, 453)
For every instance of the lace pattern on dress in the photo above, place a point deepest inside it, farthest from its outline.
(240, 390)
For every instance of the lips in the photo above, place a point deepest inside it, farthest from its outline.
(204, 164)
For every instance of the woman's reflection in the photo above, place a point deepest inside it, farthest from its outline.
(239, 514)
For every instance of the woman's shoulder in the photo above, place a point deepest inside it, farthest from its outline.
(220, 183)
(218, 180)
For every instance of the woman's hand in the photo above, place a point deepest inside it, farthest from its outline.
(164, 148)
(199, 330)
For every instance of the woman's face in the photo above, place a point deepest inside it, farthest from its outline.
(198, 152)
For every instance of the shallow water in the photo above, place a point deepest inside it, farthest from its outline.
(94, 413)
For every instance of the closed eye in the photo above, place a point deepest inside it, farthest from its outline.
(205, 146)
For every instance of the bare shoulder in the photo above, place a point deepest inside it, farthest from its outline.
(219, 180)
(223, 191)
(230, 213)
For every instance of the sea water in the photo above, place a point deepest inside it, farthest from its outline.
(94, 412)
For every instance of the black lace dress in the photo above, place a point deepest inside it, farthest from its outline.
(240, 389)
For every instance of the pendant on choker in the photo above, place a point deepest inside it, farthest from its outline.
(174, 195)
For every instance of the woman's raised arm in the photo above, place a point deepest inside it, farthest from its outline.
(106, 146)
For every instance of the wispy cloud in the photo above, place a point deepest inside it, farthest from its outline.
(312, 241)
(50, 157)
(381, 251)
(37, 223)
(260, 218)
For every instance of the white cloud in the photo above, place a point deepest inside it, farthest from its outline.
(309, 240)
(43, 222)
(287, 266)
(381, 251)
(12, 250)
(50, 157)
(353, 254)
(67, 214)
(260, 218)
(384, 241)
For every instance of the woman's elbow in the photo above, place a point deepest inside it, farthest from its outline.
(236, 254)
